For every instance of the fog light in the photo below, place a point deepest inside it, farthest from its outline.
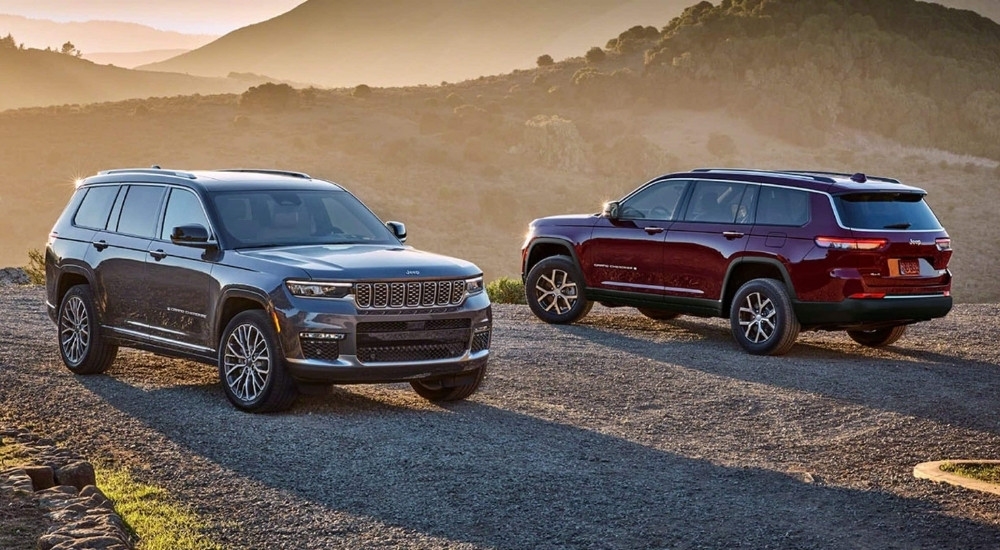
(321, 336)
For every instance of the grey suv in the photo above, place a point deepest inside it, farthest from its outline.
(288, 283)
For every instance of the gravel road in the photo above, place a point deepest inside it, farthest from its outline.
(618, 432)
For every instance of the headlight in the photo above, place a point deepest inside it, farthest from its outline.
(312, 289)
(474, 286)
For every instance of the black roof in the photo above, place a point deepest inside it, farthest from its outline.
(830, 182)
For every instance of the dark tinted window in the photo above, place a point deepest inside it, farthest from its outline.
(96, 206)
(141, 210)
(658, 201)
(715, 202)
(294, 217)
(183, 208)
(782, 206)
(885, 211)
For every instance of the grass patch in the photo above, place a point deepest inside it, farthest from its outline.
(152, 514)
(989, 473)
(506, 290)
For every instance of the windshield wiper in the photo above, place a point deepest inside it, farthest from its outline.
(903, 225)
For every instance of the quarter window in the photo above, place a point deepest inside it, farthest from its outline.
(782, 206)
(183, 208)
(96, 206)
(141, 210)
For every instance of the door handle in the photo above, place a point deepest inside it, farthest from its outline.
(653, 230)
(157, 254)
(100, 245)
(732, 235)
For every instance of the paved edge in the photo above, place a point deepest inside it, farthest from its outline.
(933, 472)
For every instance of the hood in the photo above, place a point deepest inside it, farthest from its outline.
(366, 262)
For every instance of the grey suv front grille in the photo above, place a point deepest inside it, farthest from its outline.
(409, 295)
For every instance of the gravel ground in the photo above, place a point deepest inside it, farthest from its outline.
(618, 432)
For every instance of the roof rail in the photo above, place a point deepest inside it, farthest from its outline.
(154, 170)
(288, 173)
(845, 175)
(815, 176)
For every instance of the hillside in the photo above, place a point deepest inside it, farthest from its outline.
(400, 42)
(130, 60)
(38, 78)
(97, 36)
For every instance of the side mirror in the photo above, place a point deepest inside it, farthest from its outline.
(398, 229)
(611, 210)
(195, 235)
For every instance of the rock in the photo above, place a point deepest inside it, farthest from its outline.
(42, 477)
(13, 276)
(78, 474)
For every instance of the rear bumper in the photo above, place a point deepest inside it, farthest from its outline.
(865, 313)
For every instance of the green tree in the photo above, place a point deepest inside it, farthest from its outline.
(544, 60)
(69, 49)
(7, 43)
(595, 55)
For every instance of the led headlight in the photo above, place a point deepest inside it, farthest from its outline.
(313, 289)
(474, 286)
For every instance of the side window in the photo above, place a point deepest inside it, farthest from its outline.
(658, 201)
(745, 213)
(715, 202)
(782, 206)
(141, 210)
(95, 207)
(183, 208)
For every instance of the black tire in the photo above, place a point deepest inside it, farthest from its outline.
(433, 390)
(554, 291)
(879, 337)
(658, 314)
(252, 367)
(83, 349)
(762, 319)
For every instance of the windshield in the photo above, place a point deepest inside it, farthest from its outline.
(886, 211)
(261, 218)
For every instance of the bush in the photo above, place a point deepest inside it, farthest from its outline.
(595, 55)
(36, 267)
(270, 96)
(544, 60)
(362, 90)
(506, 291)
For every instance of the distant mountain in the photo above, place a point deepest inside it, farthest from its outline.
(986, 8)
(400, 42)
(131, 60)
(34, 78)
(97, 36)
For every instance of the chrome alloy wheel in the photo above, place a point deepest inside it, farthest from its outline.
(757, 318)
(556, 292)
(74, 330)
(247, 362)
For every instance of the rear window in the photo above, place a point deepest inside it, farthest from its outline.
(905, 211)
(96, 206)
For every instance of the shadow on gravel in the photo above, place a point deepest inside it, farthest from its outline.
(939, 387)
(485, 475)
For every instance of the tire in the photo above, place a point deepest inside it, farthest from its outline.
(554, 291)
(762, 319)
(658, 314)
(432, 390)
(251, 366)
(83, 349)
(879, 337)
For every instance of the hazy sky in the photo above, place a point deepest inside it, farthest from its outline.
(190, 16)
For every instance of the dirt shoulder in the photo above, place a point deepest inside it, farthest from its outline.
(618, 432)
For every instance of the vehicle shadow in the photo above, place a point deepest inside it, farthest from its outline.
(948, 389)
(481, 474)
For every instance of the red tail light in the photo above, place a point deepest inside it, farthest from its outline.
(838, 243)
(868, 295)
(944, 243)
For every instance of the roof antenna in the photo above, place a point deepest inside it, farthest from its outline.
(156, 167)
(859, 178)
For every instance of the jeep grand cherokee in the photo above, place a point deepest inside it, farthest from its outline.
(286, 282)
(774, 251)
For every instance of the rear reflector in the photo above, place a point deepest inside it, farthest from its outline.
(868, 296)
(838, 243)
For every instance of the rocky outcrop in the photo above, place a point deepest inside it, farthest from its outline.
(13, 276)
(64, 487)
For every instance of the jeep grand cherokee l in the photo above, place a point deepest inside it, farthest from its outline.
(774, 251)
(286, 282)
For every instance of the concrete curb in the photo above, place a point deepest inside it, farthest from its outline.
(933, 472)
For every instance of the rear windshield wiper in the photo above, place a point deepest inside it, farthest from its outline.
(903, 225)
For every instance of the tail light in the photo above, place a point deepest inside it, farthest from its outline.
(838, 243)
(868, 295)
(944, 243)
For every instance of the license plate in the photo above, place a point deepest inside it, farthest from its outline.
(909, 267)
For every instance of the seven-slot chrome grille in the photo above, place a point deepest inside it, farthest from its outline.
(409, 295)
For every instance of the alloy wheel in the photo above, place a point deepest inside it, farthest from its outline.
(556, 292)
(74, 330)
(247, 362)
(757, 318)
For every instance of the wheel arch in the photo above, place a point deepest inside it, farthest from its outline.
(745, 270)
(69, 278)
(235, 301)
(546, 247)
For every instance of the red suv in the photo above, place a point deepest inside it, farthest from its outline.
(775, 251)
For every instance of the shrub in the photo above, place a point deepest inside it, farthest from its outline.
(36, 267)
(595, 55)
(270, 96)
(544, 60)
(506, 290)
(362, 90)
